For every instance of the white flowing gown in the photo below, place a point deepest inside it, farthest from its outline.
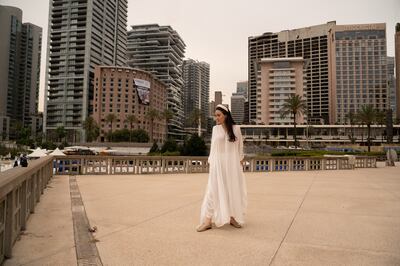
(226, 192)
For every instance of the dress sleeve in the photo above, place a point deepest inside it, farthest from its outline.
(240, 139)
(212, 148)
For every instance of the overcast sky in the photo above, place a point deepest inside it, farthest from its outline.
(216, 31)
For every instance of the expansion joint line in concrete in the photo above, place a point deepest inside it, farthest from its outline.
(85, 246)
(291, 223)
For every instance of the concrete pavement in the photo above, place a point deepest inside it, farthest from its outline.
(49, 236)
(347, 217)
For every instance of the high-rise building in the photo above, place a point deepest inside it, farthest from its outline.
(238, 107)
(242, 87)
(360, 73)
(218, 97)
(125, 91)
(238, 103)
(391, 86)
(246, 112)
(160, 51)
(212, 108)
(341, 59)
(196, 91)
(82, 34)
(397, 58)
(278, 78)
(310, 43)
(19, 72)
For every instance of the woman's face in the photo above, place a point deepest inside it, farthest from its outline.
(219, 117)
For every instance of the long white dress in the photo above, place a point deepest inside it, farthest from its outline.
(226, 192)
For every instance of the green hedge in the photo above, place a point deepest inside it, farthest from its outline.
(319, 153)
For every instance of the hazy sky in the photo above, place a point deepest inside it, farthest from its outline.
(216, 31)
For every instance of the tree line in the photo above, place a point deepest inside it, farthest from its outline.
(367, 115)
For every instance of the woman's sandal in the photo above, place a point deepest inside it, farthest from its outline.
(203, 227)
(235, 224)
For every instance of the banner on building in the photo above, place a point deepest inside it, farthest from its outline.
(143, 90)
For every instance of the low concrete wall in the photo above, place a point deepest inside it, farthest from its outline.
(112, 165)
(20, 190)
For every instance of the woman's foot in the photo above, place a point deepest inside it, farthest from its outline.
(203, 227)
(234, 223)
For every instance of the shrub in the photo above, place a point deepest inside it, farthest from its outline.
(140, 135)
(124, 135)
(171, 153)
(195, 146)
(320, 153)
(154, 149)
(170, 145)
(48, 145)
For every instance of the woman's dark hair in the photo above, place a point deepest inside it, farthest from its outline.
(229, 123)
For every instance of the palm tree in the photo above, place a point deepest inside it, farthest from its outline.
(294, 105)
(131, 119)
(381, 120)
(91, 128)
(367, 116)
(195, 119)
(351, 117)
(360, 125)
(61, 133)
(167, 115)
(151, 115)
(110, 118)
(309, 128)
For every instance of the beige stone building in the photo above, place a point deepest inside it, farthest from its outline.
(346, 67)
(277, 79)
(127, 91)
(359, 69)
(311, 43)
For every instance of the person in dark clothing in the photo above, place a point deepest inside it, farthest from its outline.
(23, 161)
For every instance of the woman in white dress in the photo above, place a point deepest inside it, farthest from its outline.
(225, 200)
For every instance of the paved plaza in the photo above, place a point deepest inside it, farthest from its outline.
(342, 217)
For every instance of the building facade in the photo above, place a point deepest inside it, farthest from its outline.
(218, 97)
(311, 43)
(238, 101)
(196, 92)
(338, 63)
(397, 67)
(391, 86)
(246, 112)
(82, 34)
(125, 91)
(211, 108)
(242, 88)
(359, 74)
(160, 51)
(20, 53)
(278, 78)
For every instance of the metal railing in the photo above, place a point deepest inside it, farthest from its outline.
(20, 190)
(113, 165)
